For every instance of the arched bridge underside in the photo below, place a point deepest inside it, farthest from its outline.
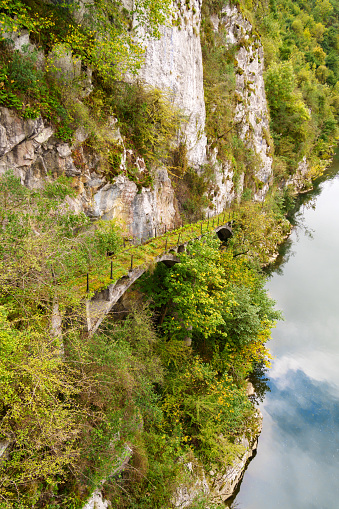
(102, 302)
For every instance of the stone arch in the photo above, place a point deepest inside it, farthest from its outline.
(102, 303)
(224, 232)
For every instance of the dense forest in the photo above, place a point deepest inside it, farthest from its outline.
(300, 42)
(163, 381)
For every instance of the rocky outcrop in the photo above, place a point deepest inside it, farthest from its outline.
(251, 114)
(251, 111)
(225, 192)
(173, 64)
(4, 449)
(30, 148)
(216, 486)
(96, 499)
(301, 181)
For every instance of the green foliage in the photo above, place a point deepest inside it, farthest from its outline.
(219, 87)
(258, 230)
(108, 47)
(126, 384)
(217, 301)
(221, 99)
(302, 71)
(204, 408)
(68, 419)
(121, 366)
(290, 116)
(103, 38)
(195, 191)
(148, 121)
(38, 417)
(26, 89)
(193, 307)
(45, 246)
(147, 118)
(300, 42)
(197, 296)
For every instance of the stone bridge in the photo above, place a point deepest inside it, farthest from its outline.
(103, 301)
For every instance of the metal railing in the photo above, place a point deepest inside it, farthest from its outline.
(135, 241)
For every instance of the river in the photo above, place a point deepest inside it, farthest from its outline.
(297, 465)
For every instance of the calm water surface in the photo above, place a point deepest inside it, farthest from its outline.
(297, 465)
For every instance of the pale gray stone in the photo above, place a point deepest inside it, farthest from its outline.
(218, 485)
(44, 135)
(251, 111)
(96, 501)
(64, 150)
(173, 64)
(64, 67)
(4, 445)
(298, 182)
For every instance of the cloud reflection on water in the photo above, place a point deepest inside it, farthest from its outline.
(297, 465)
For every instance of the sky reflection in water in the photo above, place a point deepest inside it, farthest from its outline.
(297, 463)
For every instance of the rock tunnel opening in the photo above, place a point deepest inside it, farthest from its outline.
(224, 233)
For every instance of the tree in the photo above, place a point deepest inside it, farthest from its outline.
(45, 248)
(106, 37)
(220, 301)
(258, 230)
(38, 416)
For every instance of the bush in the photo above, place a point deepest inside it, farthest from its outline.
(148, 119)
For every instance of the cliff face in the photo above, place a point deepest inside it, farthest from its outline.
(218, 486)
(251, 113)
(30, 149)
(173, 63)
(251, 110)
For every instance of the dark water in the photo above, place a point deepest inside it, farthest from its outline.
(297, 465)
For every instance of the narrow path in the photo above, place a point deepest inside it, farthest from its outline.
(104, 299)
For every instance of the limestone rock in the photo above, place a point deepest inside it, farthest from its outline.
(14, 130)
(250, 389)
(173, 63)
(30, 150)
(300, 181)
(63, 65)
(96, 501)
(4, 449)
(186, 494)
(251, 111)
(224, 193)
(142, 211)
(218, 485)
